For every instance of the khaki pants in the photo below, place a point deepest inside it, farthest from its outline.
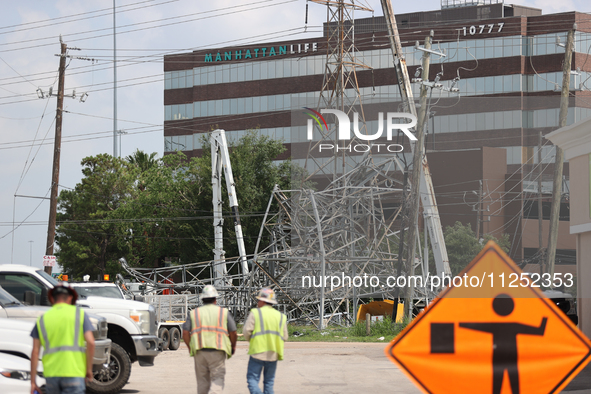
(210, 369)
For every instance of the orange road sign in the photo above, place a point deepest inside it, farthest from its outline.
(499, 336)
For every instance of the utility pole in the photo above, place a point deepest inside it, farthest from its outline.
(558, 163)
(417, 164)
(30, 253)
(115, 154)
(56, 155)
(540, 208)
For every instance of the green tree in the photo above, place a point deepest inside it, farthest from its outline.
(146, 210)
(142, 160)
(462, 245)
(86, 235)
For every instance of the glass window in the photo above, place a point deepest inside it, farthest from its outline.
(210, 75)
(167, 80)
(499, 119)
(233, 106)
(175, 112)
(241, 105)
(263, 66)
(507, 81)
(175, 79)
(453, 123)
(498, 47)
(210, 108)
(189, 142)
(241, 76)
(167, 144)
(489, 121)
(516, 119)
(248, 105)
(278, 68)
(226, 107)
(203, 108)
(248, 71)
(226, 73)
(167, 112)
(479, 85)
(256, 71)
(480, 121)
(189, 78)
(203, 76)
(286, 101)
(256, 104)
(443, 124)
(478, 52)
(264, 104)
(196, 109)
(182, 81)
(270, 70)
(196, 141)
(180, 142)
(286, 68)
(470, 122)
(233, 73)
(319, 64)
(271, 103)
(196, 76)
(302, 67)
(218, 108)
(489, 86)
(462, 122)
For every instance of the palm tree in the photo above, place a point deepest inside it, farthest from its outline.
(142, 160)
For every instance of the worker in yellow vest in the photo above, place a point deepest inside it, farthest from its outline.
(266, 328)
(63, 331)
(210, 334)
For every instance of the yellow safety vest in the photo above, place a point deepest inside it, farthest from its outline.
(268, 331)
(62, 336)
(209, 329)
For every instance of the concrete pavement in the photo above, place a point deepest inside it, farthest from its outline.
(309, 367)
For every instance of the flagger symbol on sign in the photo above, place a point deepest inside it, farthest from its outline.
(467, 339)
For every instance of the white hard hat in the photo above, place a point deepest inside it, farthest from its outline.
(208, 292)
(267, 295)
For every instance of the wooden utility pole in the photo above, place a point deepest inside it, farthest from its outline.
(558, 163)
(540, 208)
(56, 155)
(417, 166)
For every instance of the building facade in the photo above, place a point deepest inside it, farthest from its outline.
(482, 140)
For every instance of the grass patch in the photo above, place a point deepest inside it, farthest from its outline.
(355, 333)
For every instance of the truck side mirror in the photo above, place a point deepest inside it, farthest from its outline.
(29, 297)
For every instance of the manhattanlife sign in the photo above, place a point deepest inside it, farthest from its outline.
(394, 121)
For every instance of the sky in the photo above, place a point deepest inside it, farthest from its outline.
(146, 30)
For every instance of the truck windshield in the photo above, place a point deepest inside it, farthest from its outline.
(48, 277)
(87, 291)
(6, 299)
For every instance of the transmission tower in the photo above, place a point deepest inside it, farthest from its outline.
(340, 75)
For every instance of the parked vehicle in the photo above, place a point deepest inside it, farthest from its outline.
(171, 310)
(15, 313)
(132, 325)
(15, 375)
(98, 289)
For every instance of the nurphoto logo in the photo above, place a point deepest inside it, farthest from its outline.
(344, 130)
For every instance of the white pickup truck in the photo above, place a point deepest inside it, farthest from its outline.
(132, 325)
(13, 312)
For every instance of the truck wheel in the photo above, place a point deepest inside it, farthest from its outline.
(165, 336)
(175, 338)
(111, 379)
